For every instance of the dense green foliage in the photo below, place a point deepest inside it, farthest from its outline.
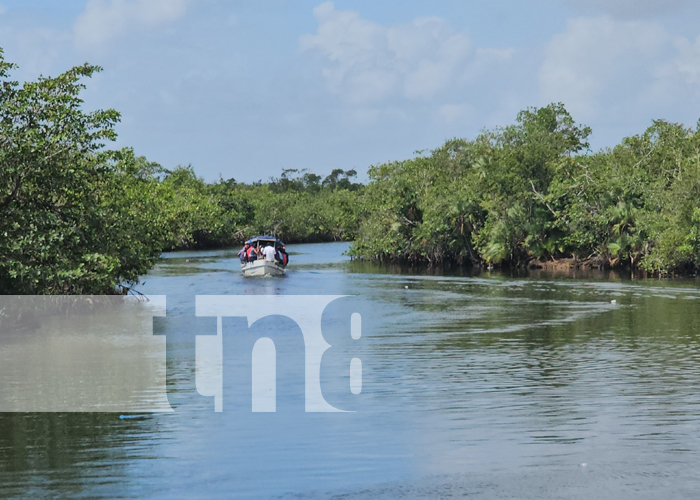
(73, 217)
(297, 207)
(534, 190)
(78, 218)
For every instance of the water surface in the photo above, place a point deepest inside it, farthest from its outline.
(486, 385)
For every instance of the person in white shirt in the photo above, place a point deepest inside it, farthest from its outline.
(269, 253)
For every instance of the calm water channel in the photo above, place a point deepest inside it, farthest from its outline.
(485, 386)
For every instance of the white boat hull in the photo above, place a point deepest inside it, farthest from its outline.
(262, 268)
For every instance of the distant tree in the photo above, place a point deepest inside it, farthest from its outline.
(340, 179)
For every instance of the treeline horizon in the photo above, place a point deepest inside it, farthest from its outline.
(76, 217)
(297, 207)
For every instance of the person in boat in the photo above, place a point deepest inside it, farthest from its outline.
(278, 254)
(253, 254)
(269, 253)
(243, 254)
(282, 255)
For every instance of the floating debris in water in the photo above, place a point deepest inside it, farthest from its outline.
(613, 301)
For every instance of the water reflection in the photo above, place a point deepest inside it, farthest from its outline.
(482, 384)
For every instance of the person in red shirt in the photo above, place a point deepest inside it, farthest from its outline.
(253, 254)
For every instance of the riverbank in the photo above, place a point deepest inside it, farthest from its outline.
(534, 189)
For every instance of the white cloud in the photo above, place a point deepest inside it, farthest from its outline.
(454, 112)
(106, 19)
(597, 57)
(687, 62)
(368, 63)
(678, 76)
(632, 9)
(37, 50)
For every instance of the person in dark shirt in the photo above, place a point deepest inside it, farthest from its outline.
(282, 255)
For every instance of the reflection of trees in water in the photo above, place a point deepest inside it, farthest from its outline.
(447, 269)
(59, 453)
(556, 354)
(540, 333)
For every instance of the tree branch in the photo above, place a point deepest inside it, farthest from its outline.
(542, 198)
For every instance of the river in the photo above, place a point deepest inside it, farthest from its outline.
(488, 385)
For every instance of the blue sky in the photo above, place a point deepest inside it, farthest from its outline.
(246, 89)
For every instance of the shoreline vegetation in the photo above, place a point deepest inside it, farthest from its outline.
(533, 193)
(78, 218)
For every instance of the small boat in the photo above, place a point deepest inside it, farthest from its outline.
(262, 267)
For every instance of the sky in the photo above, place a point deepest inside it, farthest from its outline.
(243, 89)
